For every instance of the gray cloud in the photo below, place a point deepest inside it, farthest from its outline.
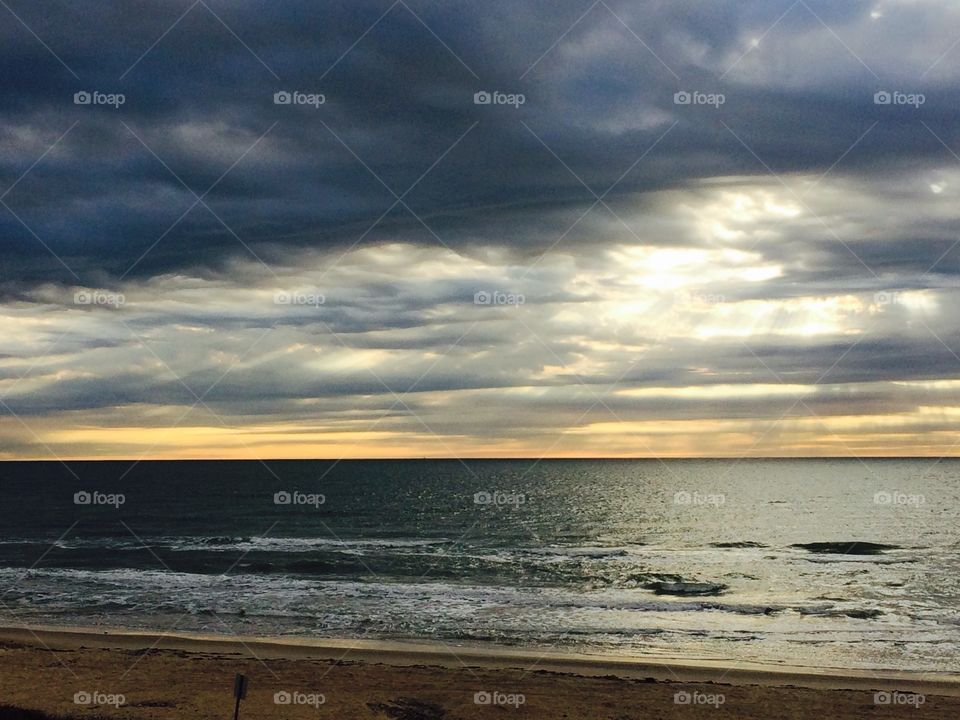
(657, 246)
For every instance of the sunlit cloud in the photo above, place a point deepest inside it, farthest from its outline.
(602, 270)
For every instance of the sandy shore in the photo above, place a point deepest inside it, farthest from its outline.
(191, 676)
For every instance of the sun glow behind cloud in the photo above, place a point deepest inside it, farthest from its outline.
(631, 349)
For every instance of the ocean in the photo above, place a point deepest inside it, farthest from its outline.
(800, 563)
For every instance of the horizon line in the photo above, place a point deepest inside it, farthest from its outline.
(454, 458)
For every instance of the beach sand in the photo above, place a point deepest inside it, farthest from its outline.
(192, 676)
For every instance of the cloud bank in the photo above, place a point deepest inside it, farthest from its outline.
(504, 229)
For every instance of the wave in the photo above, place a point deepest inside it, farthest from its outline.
(270, 595)
(872, 559)
(300, 544)
(224, 543)
(593, 553)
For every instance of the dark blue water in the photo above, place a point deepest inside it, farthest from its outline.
(799, 562)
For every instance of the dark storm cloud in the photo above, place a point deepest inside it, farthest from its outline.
(791, 252)
(202, 97)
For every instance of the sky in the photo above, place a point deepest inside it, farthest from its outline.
(479, 229)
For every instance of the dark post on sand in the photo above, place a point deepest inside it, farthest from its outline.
(239, 692)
